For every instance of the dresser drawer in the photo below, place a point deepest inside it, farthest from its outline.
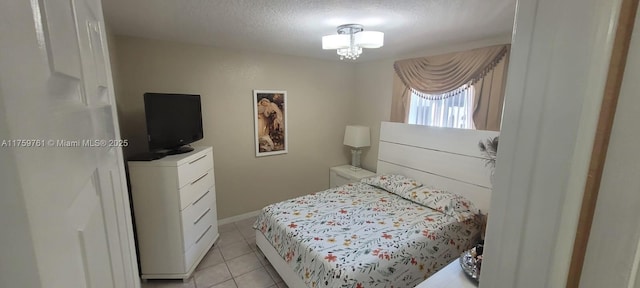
(196, 167)
(198, 229)
(196, 189)
(197, 216)
(202, 242)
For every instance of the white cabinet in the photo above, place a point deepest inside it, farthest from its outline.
(174, 204)
(344, 174)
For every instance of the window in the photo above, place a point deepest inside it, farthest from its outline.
(454, 112)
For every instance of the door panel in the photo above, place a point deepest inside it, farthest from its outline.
(99, 60)
(73, 186)
(109, 184)
(85, 21)
(62, 42)
(86, 219)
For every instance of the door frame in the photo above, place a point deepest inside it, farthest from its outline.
(617, 64)
(560, 55)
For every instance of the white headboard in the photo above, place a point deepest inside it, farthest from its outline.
(443, 157)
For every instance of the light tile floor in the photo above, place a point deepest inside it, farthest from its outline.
(234, 261)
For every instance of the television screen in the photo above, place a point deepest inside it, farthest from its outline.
(173, 120)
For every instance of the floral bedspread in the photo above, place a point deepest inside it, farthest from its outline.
(360, 236)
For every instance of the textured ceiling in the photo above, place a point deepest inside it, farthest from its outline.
(295, 27)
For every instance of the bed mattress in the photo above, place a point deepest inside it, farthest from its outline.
(360, 236)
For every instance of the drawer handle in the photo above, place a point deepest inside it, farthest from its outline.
(200, 198)
(205, 232)
(194, 161)
(200, 178)
(201, 216)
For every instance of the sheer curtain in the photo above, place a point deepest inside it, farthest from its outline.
(454, 111)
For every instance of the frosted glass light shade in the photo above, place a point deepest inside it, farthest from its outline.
(351, 39)
(369, 39)
(335, 41)
(357, 136)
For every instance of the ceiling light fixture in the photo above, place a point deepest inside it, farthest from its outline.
(351, 39)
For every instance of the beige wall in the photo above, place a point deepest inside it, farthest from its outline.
(373, 91)
(320, 101)
(323, 97)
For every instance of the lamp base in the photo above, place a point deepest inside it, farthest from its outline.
(355, 158)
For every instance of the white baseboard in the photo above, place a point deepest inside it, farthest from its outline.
(239, 217)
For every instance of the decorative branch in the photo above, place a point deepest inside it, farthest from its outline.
(490, 150)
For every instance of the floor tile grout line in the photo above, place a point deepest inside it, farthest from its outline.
(261, 266)
(234, 281)
(248, 238)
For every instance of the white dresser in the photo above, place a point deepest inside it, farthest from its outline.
(174, 203)
(340, 175)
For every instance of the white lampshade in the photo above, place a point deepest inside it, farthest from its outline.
(335, 41)
(357, 136)
(369, 39)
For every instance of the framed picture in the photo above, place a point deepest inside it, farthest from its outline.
(270, 122)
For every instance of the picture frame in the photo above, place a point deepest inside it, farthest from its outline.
(270, 122)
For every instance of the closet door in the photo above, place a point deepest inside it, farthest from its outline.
(57, 94)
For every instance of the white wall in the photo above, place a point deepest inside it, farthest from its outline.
(613, 251)
(319, 104)
(374, 83)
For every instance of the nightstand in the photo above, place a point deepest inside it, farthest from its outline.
(341, 175)
(451, 276)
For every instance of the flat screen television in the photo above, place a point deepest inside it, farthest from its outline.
(173, 122)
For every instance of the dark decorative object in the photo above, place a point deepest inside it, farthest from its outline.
(481, 219)
(490, 149)
(471, 261)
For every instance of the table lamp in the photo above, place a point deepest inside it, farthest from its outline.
(356, 137)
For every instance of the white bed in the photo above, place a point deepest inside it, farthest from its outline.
(446, 158)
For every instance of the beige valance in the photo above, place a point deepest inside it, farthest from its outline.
(441, 76)
(448, 74)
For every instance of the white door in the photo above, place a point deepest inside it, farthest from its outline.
(612, 258)
(56, 92)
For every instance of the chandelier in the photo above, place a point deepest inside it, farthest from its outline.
(350, 40)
